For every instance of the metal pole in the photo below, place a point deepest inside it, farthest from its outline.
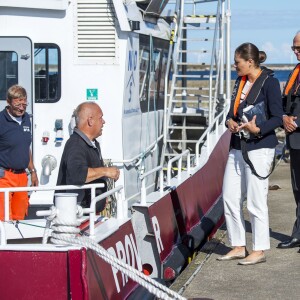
(228, 59)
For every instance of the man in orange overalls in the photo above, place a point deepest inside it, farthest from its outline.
(15, 153)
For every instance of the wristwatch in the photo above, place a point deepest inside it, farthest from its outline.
(32, 170)
(227, 121)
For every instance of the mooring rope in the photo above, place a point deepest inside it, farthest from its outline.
(65, 233)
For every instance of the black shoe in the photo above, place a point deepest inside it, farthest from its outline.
(299, 251)
(293, 242)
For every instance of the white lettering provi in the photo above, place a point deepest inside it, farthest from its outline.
(121, 256)
(114, 270)
(157, 234)
(128, 254)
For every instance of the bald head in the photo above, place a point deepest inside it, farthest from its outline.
(84, 111)
(296, 45)
(89, 119)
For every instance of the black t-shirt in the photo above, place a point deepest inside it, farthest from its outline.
(80, 154)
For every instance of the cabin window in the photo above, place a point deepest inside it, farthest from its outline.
(8, 71)
(47, 73)
(162, 75)
(144, 64)
(152, 72)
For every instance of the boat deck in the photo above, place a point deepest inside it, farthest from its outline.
(278, 278)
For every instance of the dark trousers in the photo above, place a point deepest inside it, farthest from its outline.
(295, 177)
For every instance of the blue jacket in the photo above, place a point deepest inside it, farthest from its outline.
(269, 93)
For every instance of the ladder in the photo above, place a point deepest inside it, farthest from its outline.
(196, 93)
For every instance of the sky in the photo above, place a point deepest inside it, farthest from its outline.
(269, 24)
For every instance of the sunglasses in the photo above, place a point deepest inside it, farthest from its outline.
(296, 48)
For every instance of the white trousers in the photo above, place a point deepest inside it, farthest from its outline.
(239, 183)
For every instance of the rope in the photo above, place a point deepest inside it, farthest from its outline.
(65, 232)
(151, 285)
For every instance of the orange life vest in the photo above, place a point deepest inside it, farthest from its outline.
(291, 80)
(239, 93)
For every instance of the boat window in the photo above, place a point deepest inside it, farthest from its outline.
(47, 74)
(152, 72)
(162, 76)
(144, 64)
(149, 78)
(8, 71)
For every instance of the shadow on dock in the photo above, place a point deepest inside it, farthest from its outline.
(278, 278)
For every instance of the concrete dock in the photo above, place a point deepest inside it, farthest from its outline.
(278, 278)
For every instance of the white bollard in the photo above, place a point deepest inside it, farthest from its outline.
(66, 204)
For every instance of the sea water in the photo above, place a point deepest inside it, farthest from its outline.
(281, 75)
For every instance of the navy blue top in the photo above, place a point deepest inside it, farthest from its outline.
(15, 141)
(79, 155)
(270, 93)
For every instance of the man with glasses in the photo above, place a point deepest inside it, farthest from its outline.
(15, 153)
(291, 123)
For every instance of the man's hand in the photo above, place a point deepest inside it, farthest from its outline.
(34, 179)
(113, 173)
(289, 123)
(95, 173)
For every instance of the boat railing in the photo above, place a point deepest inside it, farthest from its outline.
(121, 204)
(179, 159)
(138, 158)
(143, 187)
(214, 126)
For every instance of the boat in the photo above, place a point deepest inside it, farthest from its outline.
(160, 70)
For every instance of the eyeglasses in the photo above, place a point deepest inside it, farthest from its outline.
(24, 105)
(296, 48)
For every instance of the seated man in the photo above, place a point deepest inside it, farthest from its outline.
(81, 162)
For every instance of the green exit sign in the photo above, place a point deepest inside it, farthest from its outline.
(91, 94)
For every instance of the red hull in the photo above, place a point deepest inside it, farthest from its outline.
(81, 274)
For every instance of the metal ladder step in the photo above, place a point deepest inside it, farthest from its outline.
(190, 64)
(187, 127)
(182, 141)
(192, 76)
(191, 88)
(174, 154)
(198, 28)
(199, 19)
(180, 114)
(193, 51)
(190, 100)
(196, 40)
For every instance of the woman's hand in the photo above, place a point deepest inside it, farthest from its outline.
(232, 126)
(250, 126)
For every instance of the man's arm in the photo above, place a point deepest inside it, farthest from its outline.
(32, 171)
(95, 173)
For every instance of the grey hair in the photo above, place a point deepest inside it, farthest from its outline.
(77, 112)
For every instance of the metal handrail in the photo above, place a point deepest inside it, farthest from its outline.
(91, 210)
(179, 158)
(138, 157)
(206, 133)
(143, 187)
(6, 192)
